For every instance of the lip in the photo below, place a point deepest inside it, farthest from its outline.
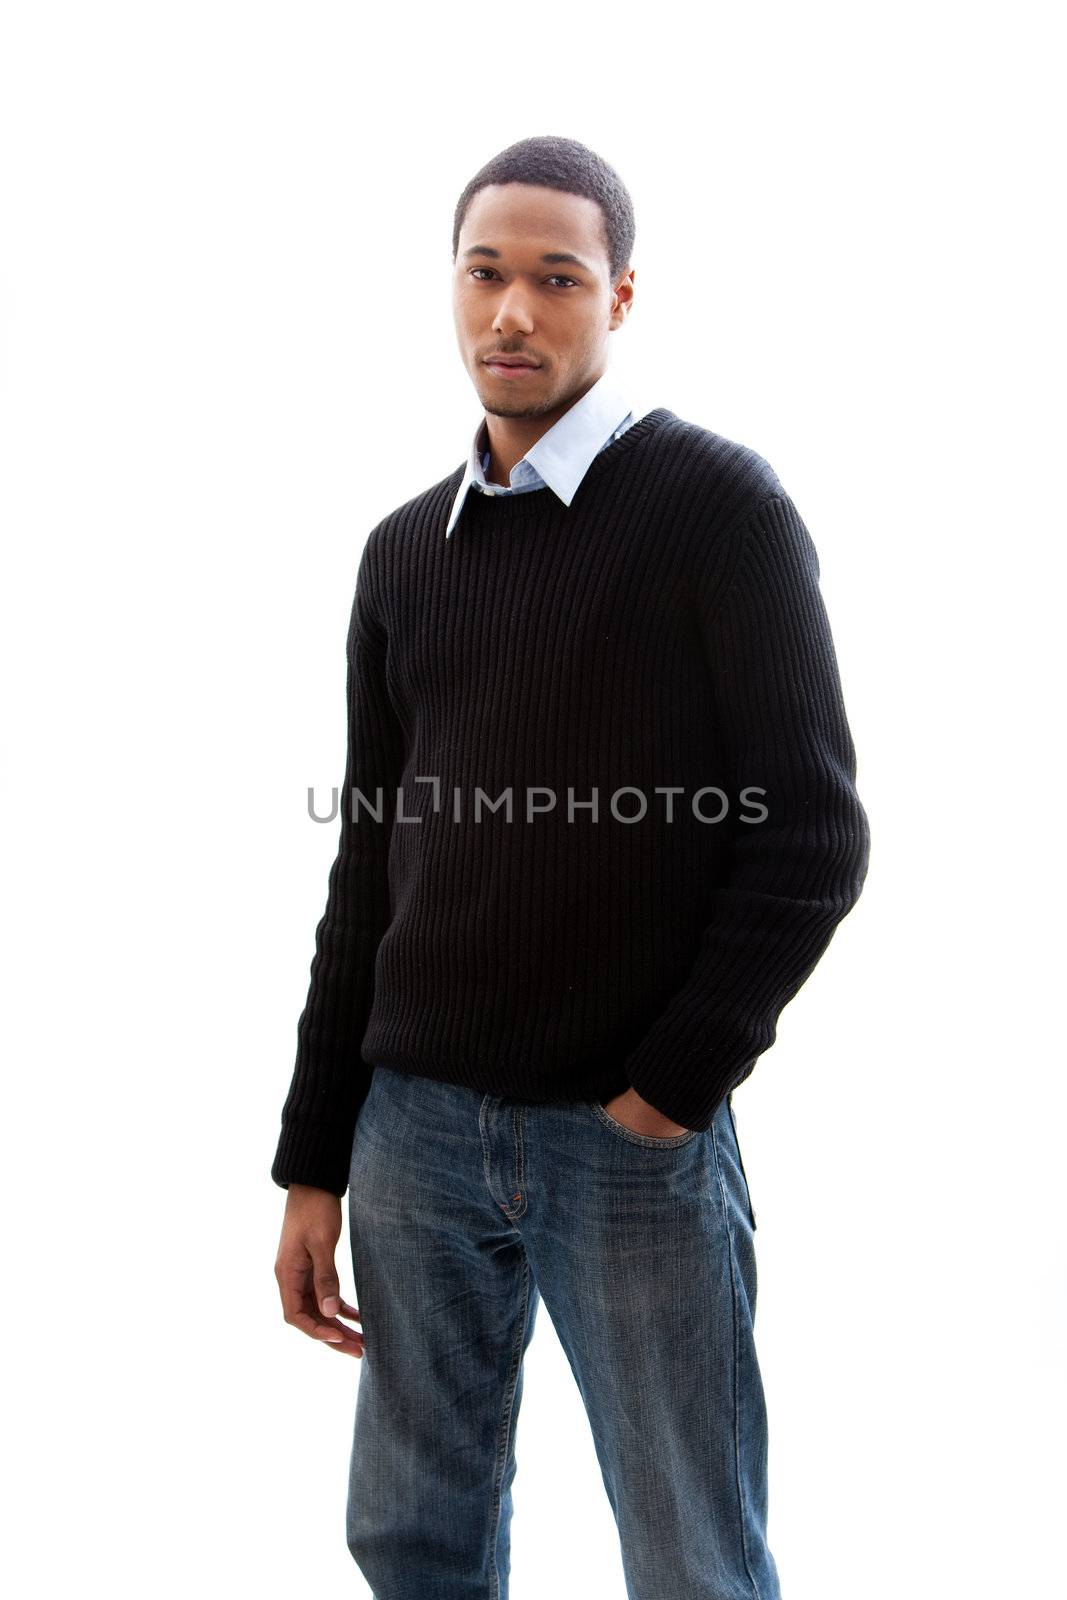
(509, 367)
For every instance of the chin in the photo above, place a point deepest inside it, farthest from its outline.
(497, 405)
(498, 408)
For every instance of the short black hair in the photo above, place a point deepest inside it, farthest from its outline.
(557, 163)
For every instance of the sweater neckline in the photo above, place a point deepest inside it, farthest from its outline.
(527, 500)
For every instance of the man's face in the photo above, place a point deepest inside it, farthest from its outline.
(508, 299)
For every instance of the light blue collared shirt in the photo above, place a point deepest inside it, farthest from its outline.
(561, 457)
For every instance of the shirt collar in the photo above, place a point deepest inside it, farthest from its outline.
(562, 455)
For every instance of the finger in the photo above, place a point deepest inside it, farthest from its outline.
(324, 1332)
(347, 1349)
(347, 1333)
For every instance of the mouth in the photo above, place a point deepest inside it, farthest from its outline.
(509, 366)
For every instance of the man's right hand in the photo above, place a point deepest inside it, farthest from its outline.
(306, 1273)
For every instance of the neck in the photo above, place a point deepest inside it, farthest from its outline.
(509, 438)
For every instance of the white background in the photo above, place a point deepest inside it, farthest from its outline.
(226, 350)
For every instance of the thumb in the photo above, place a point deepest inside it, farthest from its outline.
(327, 1286)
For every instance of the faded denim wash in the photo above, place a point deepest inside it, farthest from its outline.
(465, 1209)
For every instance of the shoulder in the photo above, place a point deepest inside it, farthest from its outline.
(753, 522)
(721, 476)
(428, 509)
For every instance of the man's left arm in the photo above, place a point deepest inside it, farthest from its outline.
(796, 873)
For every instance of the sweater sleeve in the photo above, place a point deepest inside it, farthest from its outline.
(330, 1079)
(781, 727)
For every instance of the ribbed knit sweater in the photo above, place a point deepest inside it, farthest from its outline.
(664, 632)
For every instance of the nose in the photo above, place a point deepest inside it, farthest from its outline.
(512, 314)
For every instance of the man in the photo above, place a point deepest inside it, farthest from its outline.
(599, 822)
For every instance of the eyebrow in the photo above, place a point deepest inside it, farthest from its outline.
(551, 258)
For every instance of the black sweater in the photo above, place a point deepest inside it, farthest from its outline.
(664, 631)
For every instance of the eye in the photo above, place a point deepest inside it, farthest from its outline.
(557, 277)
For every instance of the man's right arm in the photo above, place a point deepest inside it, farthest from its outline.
(330, 1078)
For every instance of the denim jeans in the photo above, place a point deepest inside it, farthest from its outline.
(465, 1209)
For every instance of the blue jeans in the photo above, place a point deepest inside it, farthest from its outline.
(464, 1210)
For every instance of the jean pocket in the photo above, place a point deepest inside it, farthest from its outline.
(650, 1140)
(741, 1164)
